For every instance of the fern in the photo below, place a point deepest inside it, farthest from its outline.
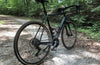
(97, 10)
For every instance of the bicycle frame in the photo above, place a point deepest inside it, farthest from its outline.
(37, 43)
(59, 29)
(64, 20)
(55, 41)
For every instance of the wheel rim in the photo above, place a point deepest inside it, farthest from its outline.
(69, 38)
(27, 52)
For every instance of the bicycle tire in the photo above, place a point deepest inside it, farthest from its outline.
(69, 35)
(26, 36)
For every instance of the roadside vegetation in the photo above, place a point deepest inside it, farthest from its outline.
(88, 21)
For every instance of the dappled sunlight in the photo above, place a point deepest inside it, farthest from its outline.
(89, 54)
(86, 52)
(75, 57)
(90, 45)
(11, 34)
(21, 20)
(66, 59)
(59, 61)
(4, 38)
(9, 26)
(96, 44)
(8, 30)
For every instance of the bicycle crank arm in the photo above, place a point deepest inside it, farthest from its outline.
(45, 43)
(37, 52)
(55, 44)
(54, 47)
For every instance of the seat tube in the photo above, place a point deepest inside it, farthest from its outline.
(45, 12)
(61, 26)
(50, 27)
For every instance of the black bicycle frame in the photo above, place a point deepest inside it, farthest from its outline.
(58, 32)
(45, 12)
(63, 22)
(50, 28)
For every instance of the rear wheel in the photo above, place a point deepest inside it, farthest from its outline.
(69, 35)
(32, 43)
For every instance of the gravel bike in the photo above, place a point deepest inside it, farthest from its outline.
(34, 40)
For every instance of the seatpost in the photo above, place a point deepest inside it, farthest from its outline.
(45, 12)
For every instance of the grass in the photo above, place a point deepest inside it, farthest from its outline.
(2, 22)
(91, 34)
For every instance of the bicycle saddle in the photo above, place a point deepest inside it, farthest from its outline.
(61, 9)
(41, 1)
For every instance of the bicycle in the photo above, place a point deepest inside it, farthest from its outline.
(33, 40)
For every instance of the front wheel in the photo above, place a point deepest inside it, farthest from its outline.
(69, 35)
(31, 43)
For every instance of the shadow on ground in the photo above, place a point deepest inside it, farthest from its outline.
(86, 52)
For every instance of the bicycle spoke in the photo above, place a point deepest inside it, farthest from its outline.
(41, 33)
(66, 31)
(69, 35)
(31, 40)
(69, 30)
(37, 32)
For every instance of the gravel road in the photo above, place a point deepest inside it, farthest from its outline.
(86, 52)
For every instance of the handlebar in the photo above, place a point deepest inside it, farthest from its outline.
(77, 6)
(64, 8)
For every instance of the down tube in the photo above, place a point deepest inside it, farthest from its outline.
(50, 29)
(61, 25)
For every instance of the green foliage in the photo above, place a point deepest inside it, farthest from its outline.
(91, 34)
(96, 26)
(79, 18)
(97, 10)
(89, 13)
(19, 7)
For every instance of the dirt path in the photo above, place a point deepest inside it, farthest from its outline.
(86, 52)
